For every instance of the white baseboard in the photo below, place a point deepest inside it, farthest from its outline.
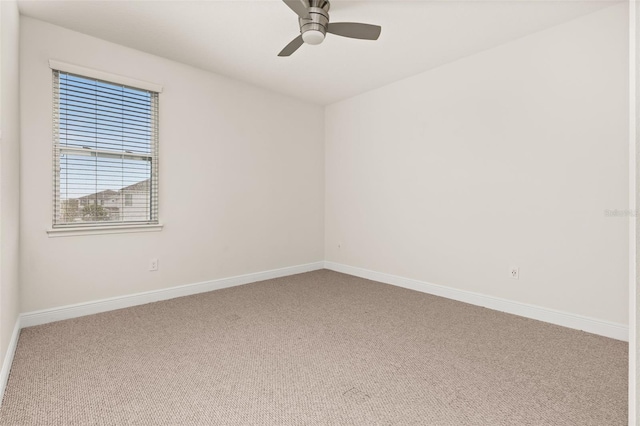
(591, 325)
(565, 319)
(8, 358)
(45, 316)
(579, 322)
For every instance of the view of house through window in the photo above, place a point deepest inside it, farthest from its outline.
(105, 152)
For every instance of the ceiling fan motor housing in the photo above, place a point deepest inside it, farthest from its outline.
(314, 28)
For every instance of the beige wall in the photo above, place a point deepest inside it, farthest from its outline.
(634, 352)
(9, 172)
(241, 179)
(508, 157)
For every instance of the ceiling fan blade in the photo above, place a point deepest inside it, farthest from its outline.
(292, 46)
(299, 8)
(355, 30)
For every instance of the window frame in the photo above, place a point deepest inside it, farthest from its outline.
(92, 228)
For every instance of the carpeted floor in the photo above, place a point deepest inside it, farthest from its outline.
(318, 348)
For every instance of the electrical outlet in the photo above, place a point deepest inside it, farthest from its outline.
(514, 272)
(153, 264)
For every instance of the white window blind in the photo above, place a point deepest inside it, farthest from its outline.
(105, 153)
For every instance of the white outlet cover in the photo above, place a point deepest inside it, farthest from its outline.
(514, 272)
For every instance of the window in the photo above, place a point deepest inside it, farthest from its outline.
(105, 153)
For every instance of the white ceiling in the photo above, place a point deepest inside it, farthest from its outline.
(241, 39)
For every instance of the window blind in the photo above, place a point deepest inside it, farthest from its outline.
(105, 153)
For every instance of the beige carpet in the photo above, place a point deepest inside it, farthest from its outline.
(318, 348)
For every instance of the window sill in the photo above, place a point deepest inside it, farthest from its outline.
(98, 230)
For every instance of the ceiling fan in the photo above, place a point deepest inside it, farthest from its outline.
(313, 17)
